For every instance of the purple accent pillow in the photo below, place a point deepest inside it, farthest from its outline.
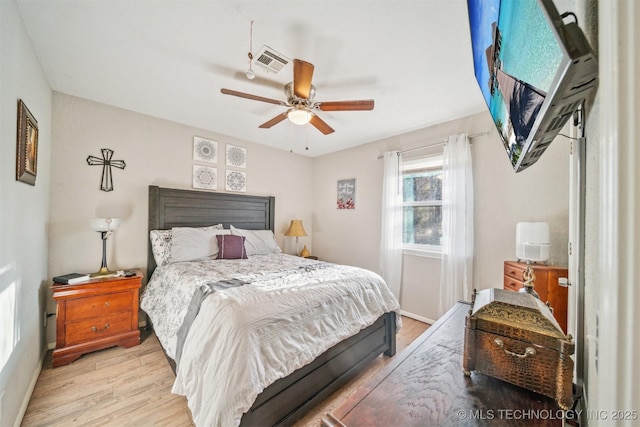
(231, 247)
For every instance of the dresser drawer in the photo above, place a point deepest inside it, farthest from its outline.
(82, 308)
(98, 327)
(511, 284)
(514, 272)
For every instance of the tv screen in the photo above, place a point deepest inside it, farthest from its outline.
(534, 71)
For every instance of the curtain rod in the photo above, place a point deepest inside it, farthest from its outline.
(435, 144)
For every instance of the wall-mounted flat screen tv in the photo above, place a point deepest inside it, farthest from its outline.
(534, 71)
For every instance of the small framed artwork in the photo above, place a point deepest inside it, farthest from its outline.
(27, 146)
(236, 156)
(205, 177)
(205, 150)
(346, 194)
(236, 181)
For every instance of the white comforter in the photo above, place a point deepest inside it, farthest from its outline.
(247, 337)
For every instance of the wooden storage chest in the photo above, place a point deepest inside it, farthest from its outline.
(514, 337)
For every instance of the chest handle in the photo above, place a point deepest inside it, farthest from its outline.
(529, 351)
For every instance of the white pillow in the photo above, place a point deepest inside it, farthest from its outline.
(161, 243)
(257, 242)
(190, 244)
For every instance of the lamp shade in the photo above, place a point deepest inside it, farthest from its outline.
(296, 229)
(299, 116)
(532, 241)
(104, 224)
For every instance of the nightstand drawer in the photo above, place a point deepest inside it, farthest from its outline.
(98, 327)
(96, 314)
(82, 308)
(545, 284)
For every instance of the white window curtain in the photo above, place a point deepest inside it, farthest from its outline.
(391, 229)
(456, 274)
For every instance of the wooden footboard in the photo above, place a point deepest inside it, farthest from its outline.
(288, 399)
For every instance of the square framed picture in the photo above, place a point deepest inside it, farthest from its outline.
(236, 156)
(205, 150)
(205, 177)
(236, 181)
(27, 146)
(346, 194)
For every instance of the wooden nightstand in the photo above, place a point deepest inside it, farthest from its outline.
(546, 285)
(94, 315)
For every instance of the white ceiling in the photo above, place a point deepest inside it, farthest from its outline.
(170, 59)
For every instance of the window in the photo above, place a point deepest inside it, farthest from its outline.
(422, 203)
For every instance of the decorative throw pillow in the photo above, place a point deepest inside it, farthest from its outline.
(161, 246)
(231, 247)
(161, 243)
(258, 242)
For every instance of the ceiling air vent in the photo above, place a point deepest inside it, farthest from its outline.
(270, 60)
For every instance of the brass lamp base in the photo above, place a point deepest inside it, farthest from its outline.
(528, 285)
(103, 272)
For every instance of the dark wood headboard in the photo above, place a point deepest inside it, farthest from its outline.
(169, 207)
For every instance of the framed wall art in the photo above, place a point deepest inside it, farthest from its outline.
(236, 181)
(27, 146)
(205, 150)
(236, 156)
(346, 194)
(205, 177)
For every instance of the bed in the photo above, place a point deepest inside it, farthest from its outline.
(283, 401)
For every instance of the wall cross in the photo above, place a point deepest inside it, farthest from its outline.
(106, 183)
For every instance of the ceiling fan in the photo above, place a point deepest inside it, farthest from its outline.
(301, 102)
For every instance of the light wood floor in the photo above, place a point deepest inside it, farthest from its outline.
(132, 387)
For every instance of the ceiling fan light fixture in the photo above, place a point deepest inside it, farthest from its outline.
(299, 116)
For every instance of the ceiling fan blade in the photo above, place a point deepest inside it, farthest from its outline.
(302, 75)
(321, 125)
(363, 104)
(277, 119)
(249, 96)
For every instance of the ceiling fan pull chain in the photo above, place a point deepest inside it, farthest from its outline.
(250, 74)
(306, 131)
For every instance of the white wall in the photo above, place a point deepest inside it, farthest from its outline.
(156, 152)
(24, 212)
(502, 198)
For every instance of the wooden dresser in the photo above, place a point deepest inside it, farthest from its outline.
(94, 315)
(425, 386)
(545, 284)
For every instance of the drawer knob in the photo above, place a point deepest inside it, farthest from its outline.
(94, 329)
(529, 351)
(107, 304)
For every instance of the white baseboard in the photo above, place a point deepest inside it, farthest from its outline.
(32, 386)
(417, 317)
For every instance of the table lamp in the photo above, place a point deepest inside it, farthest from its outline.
(105, 226)
(296, 230)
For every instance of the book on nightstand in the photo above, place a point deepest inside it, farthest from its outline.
(72, 278)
